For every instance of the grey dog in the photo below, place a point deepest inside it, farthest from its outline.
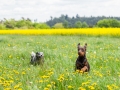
(37, 58)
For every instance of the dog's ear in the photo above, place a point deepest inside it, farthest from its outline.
(78, 46)
(85, 46)
(37, 53)
(33, 54)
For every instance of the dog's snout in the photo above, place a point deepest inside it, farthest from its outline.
(81, 53)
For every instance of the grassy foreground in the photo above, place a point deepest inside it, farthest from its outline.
(58, 73)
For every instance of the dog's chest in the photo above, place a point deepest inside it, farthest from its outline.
(80, 62)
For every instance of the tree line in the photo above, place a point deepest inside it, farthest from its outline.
(84, 22)
(64, 21)
(22, 24)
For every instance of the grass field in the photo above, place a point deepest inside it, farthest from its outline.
(57, 73)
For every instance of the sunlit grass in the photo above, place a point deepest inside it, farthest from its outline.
(85, 31)
(58, 73)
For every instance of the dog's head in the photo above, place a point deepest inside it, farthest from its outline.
(82, 50)
(39, 55)
(35, 57)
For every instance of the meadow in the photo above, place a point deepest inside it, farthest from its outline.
(60, 53)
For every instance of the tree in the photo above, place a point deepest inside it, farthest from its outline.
(10, 23)
(114, 23)
(44, 26)
(108, 23)
(77, 16)
(2, 26)
(40, 26)
(58, 25)
(78, 24)
(84, 25)
(20, 23)
(65, 24)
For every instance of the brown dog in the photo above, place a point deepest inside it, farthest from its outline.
(81, 62)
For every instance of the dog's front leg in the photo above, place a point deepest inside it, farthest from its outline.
(84, 69)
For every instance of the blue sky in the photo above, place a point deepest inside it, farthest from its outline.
(43, 9)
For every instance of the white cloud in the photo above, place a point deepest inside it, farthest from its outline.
(43, 9)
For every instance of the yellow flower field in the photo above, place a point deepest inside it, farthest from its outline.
(87, 31)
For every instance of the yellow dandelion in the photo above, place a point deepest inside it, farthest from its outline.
(114, 86)
(16, 86)
(19, 89)
(81, 88)
(9, 45)
(94, 84)
(10, 56)
(46, 88)
(91, 87)
(23, 73)
(70, 86)
(7, 89)
(45, 76)
(49, 86)
(61, 78)
(85, 83)
(53, 83)
(18, 57)
(50, 73)
(40, 81)
(109, 87)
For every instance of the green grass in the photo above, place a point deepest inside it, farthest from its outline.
(57, 73)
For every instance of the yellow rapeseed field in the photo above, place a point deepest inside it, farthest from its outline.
(85, 31)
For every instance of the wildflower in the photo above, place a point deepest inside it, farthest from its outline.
(53, 83)
(10, 56)
(70, 86)
(81, 88)
(41, 81)
(45, 76)
(16, 86)
(100, 75)
(9, 45)
(16, 72)
(91, 87)
(49, 86)
(6, 83)
(7, 89)
(109, 87)
(85, 83)
(11, 81)
(23, 73)
(108, 72)
(114, 86)
(61, 77)
(46, 88)
(79, 71)
(94, 84)
(18, 57)
(46, 81)
(50, 73)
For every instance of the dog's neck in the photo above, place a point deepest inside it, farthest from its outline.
(81, 58)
